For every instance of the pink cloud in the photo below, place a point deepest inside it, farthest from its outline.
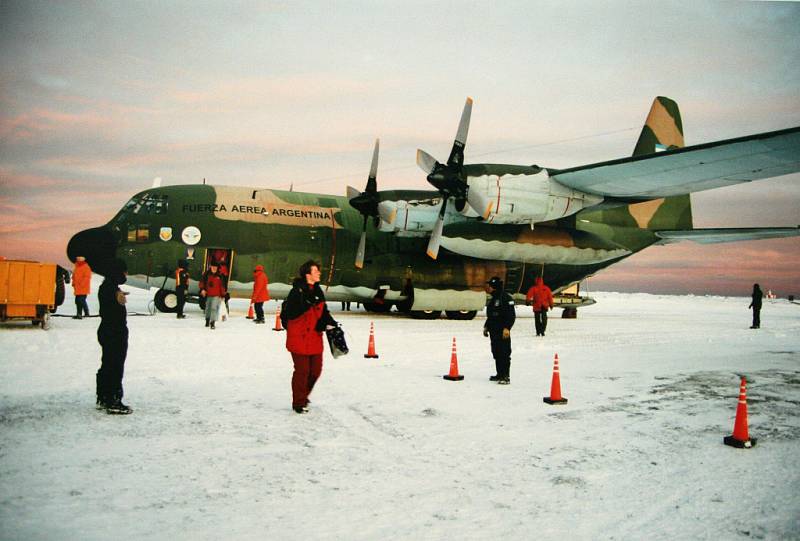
(39, 122)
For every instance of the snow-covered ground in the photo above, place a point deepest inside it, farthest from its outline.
(390, 450)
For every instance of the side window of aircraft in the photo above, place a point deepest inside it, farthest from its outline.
(143, 233)
(138, 233)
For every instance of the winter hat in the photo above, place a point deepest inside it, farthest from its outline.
(495, 282)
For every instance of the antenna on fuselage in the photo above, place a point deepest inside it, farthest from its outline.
(291, 186)
(204, 181)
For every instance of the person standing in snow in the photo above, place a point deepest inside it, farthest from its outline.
(260, 293)
(181, 285)
(81, 285)
(113, 337)
(542, 299)
(500, 316)
(305, 316)
(755, 304)
(212, 288)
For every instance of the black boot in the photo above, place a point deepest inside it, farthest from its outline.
(116, 407)
(208, 322)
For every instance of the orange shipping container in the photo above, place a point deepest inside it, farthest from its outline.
(27, 290)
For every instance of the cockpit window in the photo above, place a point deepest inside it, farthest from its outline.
(155, 203)
(148, 203)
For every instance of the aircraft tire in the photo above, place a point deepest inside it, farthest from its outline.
(425, 314)
(166, 301)
(569, 313)
(461, 315)
(379, 308)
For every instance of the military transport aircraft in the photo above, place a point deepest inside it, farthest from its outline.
(431, 251)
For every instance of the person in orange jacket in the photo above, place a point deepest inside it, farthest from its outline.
(81, 285)
(542, 299)
(260, 293)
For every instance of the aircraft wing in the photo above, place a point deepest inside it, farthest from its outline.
(733, 234)
(689, 169)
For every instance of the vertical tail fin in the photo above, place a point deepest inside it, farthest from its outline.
(663, 130)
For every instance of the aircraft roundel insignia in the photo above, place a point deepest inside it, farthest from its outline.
(165, 234)
(191, 235)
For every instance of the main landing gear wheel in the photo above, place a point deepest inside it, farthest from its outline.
(425, 314)
(569, 313)
(463, 315)
(166, 301)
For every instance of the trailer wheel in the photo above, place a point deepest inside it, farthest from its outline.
(166, 301)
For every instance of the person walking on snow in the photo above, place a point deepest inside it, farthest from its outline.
(755, 304)
(305, 316)
(113, 337)
(542, 299)
(212, 287)
(81, 285)
(500, 316)
(260, 293)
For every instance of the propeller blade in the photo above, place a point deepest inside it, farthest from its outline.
(457, 153)
(436, 234)
(362, 246)
(352, 192)
(480, 203)
(425, 161)
(373, 169)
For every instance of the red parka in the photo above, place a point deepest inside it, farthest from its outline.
(82, 278)
(541, 296)
(305, 315)
(213, 284)
(260, 283)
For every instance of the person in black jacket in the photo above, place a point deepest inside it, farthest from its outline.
(113, 337)
(181, 285)
(500, 316)
(755, 304)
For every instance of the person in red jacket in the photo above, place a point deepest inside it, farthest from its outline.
(542, 299)
(260, 293)
(305, 316)
(81, 285)
(212, 287)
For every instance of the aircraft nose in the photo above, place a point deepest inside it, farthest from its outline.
(97, 245)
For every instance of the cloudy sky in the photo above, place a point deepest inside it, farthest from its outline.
(99, 98)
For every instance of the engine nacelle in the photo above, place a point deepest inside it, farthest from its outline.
(518, 199)
(414, 218)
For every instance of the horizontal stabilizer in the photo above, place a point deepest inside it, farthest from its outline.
(732, 234)
(690, 169)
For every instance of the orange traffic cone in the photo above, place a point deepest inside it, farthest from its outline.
(278, 326)
(453, 375)
(740, 437)
(370, 354)
(555, 387)
(250, 312)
